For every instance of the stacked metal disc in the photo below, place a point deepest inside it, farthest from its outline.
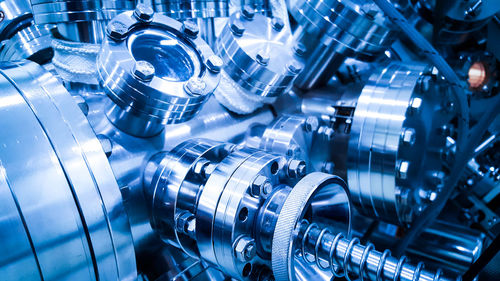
(258, 61)
(187, 9)
(329, 31)
(21, 38)
(79, 20)
(155, 70)
(399, 130)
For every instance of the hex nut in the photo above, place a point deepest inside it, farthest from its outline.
(403, 168)
(214, 64)
(299, 49)
(262, 57)
(258, 184)
(311, 124)
(237, 28)
(244, 249)
(195, 86)
(277, 23)
(296, 168)
(144, 12)
(415, 106)
(294, 67)
(408, 136)
(190, 28)
(248, 12)
(117, 30)
(144, 70)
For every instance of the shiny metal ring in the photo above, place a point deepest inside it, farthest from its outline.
(334, 265)
(380, 267)
(347, 255)
(316, 248)
(364, 259)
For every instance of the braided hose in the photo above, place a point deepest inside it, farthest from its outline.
(349, 259)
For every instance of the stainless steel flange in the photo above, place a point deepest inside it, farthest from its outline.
(79, 20)
(156, 71)
(16, 14)
(259, 65)
(62, 210)
(33, 42)
(398, 138)
(329, 31)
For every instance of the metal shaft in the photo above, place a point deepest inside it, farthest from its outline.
(348, 258)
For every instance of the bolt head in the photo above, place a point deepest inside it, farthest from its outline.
(294, 67)
(408, 136)
(195, 86)
(200, 166)
(245, 249)
(257, 185)
(296, 168)
(267, 188)
(144, 12)
(144, 70)
(237, 28)
(415, 106)
(248, 12)
(403, 168)
(117, 30)
(277, 23)
(262, 57)
(299, 49)
(214, 64)
(311, 124)
(190, 28)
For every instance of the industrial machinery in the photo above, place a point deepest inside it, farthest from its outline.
(249, 140)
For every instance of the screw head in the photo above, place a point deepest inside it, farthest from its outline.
(237, 28)
(257, 185)
(195, 86)
(277, 23)
(117, 30)
(267, 188)
(144, 70)
(262, 57)
(144, 12)
(245, 249)
(214, 64)
(403, 168)
(311, 124)
(248, 12)
(186, 223)
(200, 166)
(294, 67)
(408, 136)
(190, 28)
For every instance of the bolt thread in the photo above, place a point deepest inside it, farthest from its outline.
(349, 259)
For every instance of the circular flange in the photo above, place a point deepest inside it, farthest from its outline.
(182, 9)
(33, 42)
(154, 72)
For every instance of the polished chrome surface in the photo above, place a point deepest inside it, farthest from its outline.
(33, 42)
(155, 73)
(192, 9)
(72, 202)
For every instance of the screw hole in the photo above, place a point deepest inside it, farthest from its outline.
(247, 269)
(243, 214)
(274, 168)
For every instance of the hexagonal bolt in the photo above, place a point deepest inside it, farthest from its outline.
(117, 30)
(186, 223)
(294, 67)
(415, 106)
(425, 83)
(408, 136)
(311, 124)
(195, 86)
(326, 132)
(214, 64)
(402, 170)
(258, 185)
(244, 249)
(248, 12)
(262, 57)
(190, 28)
(237, 28)
(299, 49)
(143, 70)
(296, 168)
(277, 23)
(82, 104)
(144, 12)
(427, 195)
(106, 144)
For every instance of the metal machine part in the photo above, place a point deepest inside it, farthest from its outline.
(258, 63)
(21, 38)
(330, 31)
(156, 71)
(65, 218)
(117, 163)
(398, 135)
(79, 20)
(223, 204)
